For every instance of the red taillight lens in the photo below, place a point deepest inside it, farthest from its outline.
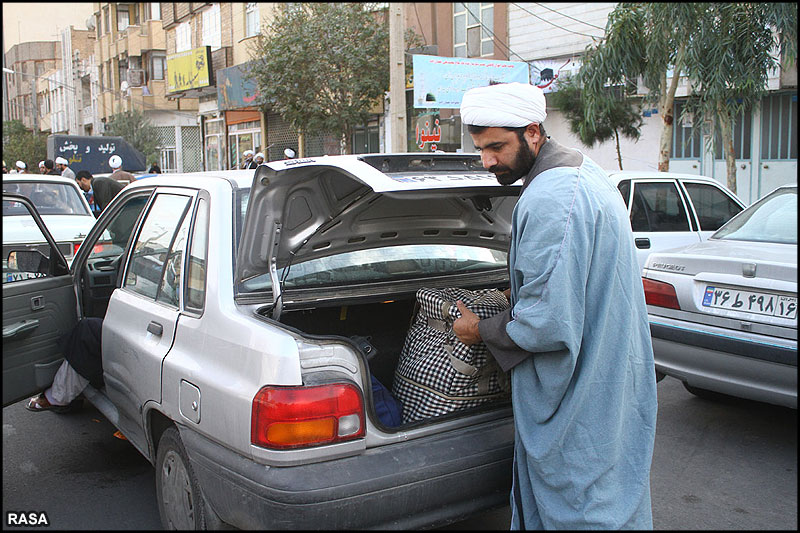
(660, 294)
(100, 247)
(75, 246)
(295, 417)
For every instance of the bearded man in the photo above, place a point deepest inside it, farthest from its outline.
(576, 338)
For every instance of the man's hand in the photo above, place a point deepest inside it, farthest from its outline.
(466, 327)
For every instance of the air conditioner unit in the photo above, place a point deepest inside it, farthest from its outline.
(135, 77)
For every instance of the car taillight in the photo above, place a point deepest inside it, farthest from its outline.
(75, 246)
(660, 294)
(295, 417)
(100, 247)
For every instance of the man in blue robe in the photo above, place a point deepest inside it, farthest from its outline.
(576, 339)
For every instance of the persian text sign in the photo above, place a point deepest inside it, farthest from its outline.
(189, 70)
(440, 82)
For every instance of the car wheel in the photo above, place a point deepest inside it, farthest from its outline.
(180, 501)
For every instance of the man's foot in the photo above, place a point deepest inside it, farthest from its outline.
(40, 403)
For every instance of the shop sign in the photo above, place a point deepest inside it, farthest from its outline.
(189, 70)
(235, 89)
(440, 82)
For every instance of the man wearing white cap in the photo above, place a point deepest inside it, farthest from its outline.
(22, 168)
(576, 339)
(63, 166)
(42, 168)
(248, 159)
(259, 158)
(122, 176)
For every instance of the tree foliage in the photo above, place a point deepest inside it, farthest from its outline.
(136, 128)
(725, 50)
(619, 116)
(322, 66)
(22, 144)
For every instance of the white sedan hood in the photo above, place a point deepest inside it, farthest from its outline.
(301, 209)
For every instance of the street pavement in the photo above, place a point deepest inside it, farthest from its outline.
(717, 465)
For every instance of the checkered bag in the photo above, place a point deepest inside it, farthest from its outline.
(438, 374)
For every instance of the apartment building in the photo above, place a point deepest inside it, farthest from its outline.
(130, 72)
(28, 62)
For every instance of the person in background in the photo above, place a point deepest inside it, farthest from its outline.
(22, 168)
(5, 169)
(115, 162)
(576, 338)
(63, 166)
(259, 158)
(248, 160)
(154, 168)
(49, 166)
(42, 169)
(98, 191)
(289, 153)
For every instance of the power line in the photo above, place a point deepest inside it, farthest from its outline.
(491, 32)
(421, 29)
(565, 15)
(556, 25)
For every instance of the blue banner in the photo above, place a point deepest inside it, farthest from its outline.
(440, 82)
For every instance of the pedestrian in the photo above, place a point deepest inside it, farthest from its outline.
(42, 169)
(115, 162)
(288, 153)
(49, 167)
(5, 169)
(22, 168)
(259, 159)
(248, 160)
(154, 168)
(98, 191)
(576, 338)
(63, 166)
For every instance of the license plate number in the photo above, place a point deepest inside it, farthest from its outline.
(750, 302)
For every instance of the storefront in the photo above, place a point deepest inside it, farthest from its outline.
(243, 128)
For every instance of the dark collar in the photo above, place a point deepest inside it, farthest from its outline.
(552, 155)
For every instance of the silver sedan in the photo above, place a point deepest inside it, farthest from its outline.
(723, 313)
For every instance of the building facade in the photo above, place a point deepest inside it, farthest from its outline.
(28, 62)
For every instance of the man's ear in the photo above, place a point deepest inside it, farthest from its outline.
(533, 134)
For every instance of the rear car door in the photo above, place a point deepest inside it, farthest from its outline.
(142, 315)
(712, 205)
(39, 304)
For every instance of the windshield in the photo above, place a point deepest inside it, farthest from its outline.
(772, 219)
(49, 198)
(383, 264)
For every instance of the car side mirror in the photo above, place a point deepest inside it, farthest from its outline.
(30, 261)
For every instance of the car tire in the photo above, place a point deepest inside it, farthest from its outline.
(180, 501)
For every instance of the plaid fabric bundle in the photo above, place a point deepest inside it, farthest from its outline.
(438, 374)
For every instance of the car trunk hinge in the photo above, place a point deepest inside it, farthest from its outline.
(277, 285)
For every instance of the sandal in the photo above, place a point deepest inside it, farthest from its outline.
(40, 403)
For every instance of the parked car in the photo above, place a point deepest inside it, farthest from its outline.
(668, 210)
(723, 313)
(61, 204)
(231, 301)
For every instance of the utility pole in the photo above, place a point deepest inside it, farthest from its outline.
(397, 78)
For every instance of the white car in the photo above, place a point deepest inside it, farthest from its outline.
(723, 313)
(668, 210)
(61, 204)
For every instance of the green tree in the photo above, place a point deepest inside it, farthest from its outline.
(619, 117)
(323, 66)
(736, 47)
(22, 144)
(136, 128)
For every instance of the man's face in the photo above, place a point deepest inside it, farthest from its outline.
(84, 183)
(504, 154)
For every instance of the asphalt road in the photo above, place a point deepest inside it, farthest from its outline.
(717, 465)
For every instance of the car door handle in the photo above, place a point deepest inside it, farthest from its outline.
(19, 329)
(643, 243)
(155, 328)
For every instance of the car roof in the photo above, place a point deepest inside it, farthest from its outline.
(242, 179)
(38, 178)
(620, 175)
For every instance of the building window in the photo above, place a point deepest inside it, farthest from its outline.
(252, 23)
(213, 146)
(183, 37)
(779, 126)
(122, 70)
(168, 159)
(212, 34)
(473, 24)
(152, 11)
(157, 66)
(123, 17)
(106, 23)
(241, 137)
(686, 142)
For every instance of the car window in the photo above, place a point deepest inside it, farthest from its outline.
(196, 269)
(624, 187)
(22, 234)
(383, 264)
(50, 198)
(657, 207)
(155, 256)
(771, 219)
(713, 206)
(116, 235)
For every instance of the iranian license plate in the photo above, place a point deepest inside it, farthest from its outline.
(750, 302)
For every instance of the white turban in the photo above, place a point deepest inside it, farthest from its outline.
(505, 105)
(61, 161)
(21, 164)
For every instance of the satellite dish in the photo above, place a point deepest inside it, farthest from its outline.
(123, 86)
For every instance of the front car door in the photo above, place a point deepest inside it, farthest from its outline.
(39, 303)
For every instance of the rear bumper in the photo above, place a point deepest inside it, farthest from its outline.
(423, 482)
(758, 368)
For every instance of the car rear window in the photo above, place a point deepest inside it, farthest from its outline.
(49, 198)
(772, 219)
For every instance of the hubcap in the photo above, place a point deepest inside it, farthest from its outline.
(176, 492)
